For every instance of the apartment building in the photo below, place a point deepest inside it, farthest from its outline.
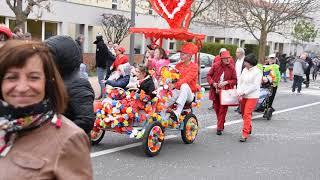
(73, 17)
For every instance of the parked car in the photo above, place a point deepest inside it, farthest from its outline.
(206, 61)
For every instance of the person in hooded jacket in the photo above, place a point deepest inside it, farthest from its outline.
(104, 60)
(66, 55)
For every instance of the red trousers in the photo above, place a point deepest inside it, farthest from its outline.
(247, 107)
(221, 112)
(291, 74)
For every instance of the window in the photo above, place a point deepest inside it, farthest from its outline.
(210, 38)
(150, 9)
(2, 21)
(50, 29)
(114, 4)
(171, 45)
(35, 28)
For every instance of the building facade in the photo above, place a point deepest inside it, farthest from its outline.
(73, 17)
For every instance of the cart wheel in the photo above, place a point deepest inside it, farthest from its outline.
(153, 140)
(96, 137)
(269, 113)
(190, 129)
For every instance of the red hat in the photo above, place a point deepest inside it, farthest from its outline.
(225, 54)
(189, 48)
(6, 31)
(121, 49)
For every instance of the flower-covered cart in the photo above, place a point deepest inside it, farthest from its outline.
(140, 116)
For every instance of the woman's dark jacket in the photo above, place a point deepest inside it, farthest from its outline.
(81, 95)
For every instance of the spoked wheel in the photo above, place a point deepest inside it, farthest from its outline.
(153, 139)
(96, 137)
(190, 129)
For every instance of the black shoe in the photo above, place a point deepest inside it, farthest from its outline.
(250, 131)
(219, 132)
(173, 116)
(242, 139)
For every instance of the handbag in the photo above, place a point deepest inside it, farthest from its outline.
(229, 97)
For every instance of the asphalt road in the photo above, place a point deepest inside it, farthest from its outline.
(287, 147)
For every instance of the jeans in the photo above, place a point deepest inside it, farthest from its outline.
(101, 73)
(284, 75)
(297, 82)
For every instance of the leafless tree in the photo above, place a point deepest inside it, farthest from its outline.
(116, 27)
(260, 17)
(31, 6)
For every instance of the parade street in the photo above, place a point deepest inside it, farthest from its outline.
(286, 147)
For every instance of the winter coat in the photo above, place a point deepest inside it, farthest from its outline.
(299, 67)
(283, 64)
(48, 152)
(277, 75)
(188, 75)
(104, 58)
(215, 74)
(310, 65)
(80, 104)
(81, 95)
(147, 85)
(122, 82)
(250, 82)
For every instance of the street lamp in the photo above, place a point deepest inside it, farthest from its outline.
(133, 21)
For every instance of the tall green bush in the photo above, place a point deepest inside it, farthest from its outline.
(214, 48)
(254, 48)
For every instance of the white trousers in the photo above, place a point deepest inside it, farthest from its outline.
(181, 96)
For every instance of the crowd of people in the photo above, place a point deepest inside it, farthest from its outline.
(46, 100)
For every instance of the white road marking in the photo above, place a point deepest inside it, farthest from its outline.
(112, 150)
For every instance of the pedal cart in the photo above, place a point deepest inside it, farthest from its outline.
(132, 112)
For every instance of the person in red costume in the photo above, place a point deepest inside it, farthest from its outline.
(186, 86)
(222, 75)
(120, 58)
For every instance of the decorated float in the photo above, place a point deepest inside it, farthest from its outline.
(136, 114)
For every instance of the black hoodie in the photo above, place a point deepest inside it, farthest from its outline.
(67, 57)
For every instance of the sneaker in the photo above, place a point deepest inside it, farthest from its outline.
(242, 139)
(219, 132)
(173, 116)
(210, 108)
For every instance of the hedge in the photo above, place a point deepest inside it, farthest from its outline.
(214, 48)
(254, 48)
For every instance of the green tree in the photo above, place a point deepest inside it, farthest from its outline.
(261, 17)
(304, 32)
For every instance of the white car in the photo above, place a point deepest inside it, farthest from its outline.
(206, 61)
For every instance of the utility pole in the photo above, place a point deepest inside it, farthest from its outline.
(133, 21)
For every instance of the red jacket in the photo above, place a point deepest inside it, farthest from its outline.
(188, 74)
(120, 59)
(215, 73)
